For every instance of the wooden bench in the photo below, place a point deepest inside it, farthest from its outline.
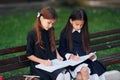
(104, 40)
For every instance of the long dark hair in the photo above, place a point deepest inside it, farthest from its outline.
(78, 14)
(47, 13)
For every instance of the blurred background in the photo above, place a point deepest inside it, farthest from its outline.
(17, 17)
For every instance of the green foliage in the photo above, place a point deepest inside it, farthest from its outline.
(14, 27)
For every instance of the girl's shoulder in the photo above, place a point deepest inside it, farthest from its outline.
(63, 34)
(31, 33)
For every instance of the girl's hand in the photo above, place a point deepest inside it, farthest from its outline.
(74, 57)
(92, 57)
(46, 62)
(59, 58)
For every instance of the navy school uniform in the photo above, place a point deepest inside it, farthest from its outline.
(46, 54)
(95, 67)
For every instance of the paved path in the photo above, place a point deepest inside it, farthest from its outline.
(112, 75)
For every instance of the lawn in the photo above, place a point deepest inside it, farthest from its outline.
(14, 26)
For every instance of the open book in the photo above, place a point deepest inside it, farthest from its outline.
(58, 64)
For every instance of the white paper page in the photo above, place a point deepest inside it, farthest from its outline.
(82, 58)
(76, 62)
(56, 64)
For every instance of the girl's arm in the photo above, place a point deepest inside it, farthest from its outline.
(74, 57)
(63, 49)
(58, 55)
(38, 60)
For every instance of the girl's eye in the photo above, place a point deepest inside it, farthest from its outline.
(81, 25)
(48, 22)
(77, 24)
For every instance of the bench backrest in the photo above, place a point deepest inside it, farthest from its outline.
(105, 39)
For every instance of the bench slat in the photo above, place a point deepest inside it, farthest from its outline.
(105, 46)
(105, 33)
(110, 62)
(14, 66)
(110, 59)
(12, 50)
(104, 40)
(13, 60)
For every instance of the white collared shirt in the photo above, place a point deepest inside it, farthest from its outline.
(76, 30)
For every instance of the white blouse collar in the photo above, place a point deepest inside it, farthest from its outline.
(75, 30)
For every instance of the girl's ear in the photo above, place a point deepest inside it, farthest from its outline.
(41, 18)
(71, 21)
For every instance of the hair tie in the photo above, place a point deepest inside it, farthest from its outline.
(38, 15)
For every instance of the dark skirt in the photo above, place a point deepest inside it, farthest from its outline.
(95, 67)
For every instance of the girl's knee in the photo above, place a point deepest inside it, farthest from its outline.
(79, 77)
(84, 70)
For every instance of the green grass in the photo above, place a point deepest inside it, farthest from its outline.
(14, 27)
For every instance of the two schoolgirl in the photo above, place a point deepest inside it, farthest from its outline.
(74, 42)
